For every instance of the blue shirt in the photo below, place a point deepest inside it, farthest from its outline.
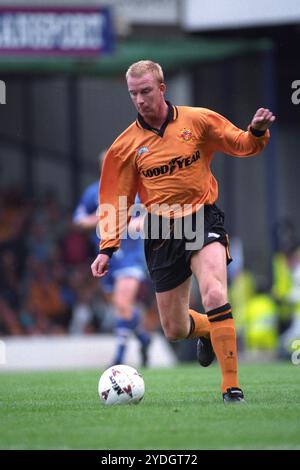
(88, 205)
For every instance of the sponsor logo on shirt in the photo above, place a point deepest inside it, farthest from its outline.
(176, 163)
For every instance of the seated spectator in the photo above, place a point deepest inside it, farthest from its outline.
(75, 246)
(39, 245)
(9, 294)
(44, 305)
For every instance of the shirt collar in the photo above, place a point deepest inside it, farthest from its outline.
(171, 116)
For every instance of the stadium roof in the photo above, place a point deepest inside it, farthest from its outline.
(173, 54)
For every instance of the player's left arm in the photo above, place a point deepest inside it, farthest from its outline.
(262, 119)
(224, 136)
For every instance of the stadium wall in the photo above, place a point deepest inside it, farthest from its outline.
(76, 352)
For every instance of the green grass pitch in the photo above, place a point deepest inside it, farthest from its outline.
(182, 409)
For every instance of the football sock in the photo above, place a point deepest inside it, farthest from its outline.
(139, 331)
(122, 333)
(124, 328)
(136, 318)
(200, 325)
(223, 338)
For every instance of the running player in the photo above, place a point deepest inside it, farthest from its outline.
(166, 156)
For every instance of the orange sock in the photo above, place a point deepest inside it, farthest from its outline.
(223, 338)
(200, 325)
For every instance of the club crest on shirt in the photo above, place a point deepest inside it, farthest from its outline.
(142, 150)
(186, 134)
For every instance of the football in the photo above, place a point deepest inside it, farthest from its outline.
(121, 385)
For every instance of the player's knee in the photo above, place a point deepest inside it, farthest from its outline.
(123, 306)
(123, 311)
(214, 297)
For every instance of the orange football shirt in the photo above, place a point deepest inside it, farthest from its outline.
(170, 166)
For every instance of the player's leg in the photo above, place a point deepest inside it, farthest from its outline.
(170, 272)
(209, 267)
(173, 306)
(128, 316)
(123, 296)
(127, 303)
(177, 320)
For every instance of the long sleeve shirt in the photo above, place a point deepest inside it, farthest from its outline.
(167, 167)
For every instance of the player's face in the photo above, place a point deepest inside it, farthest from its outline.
(147, 94)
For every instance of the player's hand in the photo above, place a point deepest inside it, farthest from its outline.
(100, 265)
(262, 119)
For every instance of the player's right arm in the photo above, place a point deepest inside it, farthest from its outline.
(100, 266)
(117, 190)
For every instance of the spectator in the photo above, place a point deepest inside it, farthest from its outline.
(44, 304)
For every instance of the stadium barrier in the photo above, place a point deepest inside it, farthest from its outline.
(77, 352)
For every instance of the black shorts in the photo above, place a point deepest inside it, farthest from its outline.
(168, 258)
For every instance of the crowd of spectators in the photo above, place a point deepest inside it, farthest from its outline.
(46, 286)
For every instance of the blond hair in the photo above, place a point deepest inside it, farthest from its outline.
(138, 69)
